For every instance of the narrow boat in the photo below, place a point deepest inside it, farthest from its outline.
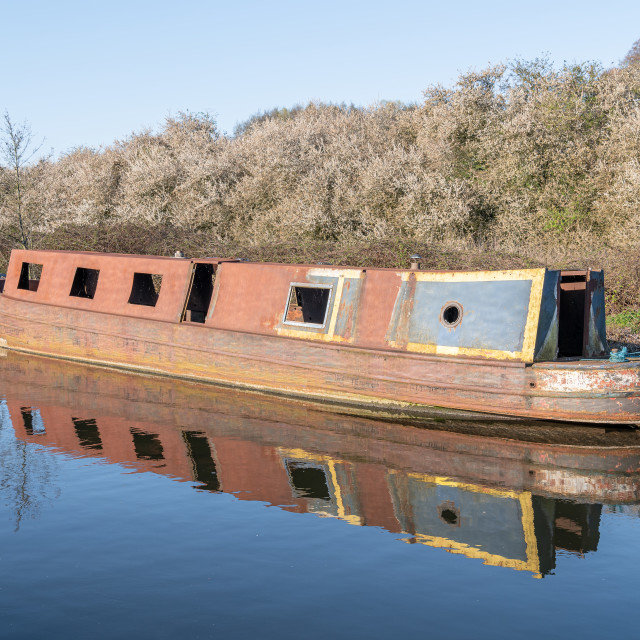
(521, 343)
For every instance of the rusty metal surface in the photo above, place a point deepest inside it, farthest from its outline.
(246, 341)
(64, 392)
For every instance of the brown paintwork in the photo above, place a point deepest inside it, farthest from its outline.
(248, 434)
(239, 344)
(377, 303)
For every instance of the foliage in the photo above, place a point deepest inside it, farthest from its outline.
(20, 198)
(522, 160)
(629, 318)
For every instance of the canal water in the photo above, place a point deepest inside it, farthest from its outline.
(135, 506)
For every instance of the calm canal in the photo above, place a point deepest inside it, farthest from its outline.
(144, 507)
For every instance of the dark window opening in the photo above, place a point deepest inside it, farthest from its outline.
(308, 480)
(204, 467)
(307, 305)
(88, 434)
(145, 289)
(200, 294)
(84, 283)
(573, 294)
(147, 445)
(30, 274)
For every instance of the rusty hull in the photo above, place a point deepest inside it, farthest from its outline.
(244, 341)
(607, 470)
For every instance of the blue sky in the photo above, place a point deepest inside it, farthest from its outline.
(87, 73)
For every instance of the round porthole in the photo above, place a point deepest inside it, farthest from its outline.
(451, 314)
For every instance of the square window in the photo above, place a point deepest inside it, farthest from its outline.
(85, 283)
(308, 304)
(145, 289)
(30, 275)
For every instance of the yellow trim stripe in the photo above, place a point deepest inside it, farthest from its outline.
(471, 276)
(441, 350)
(533, 316)
(310, 335)
(336, 307)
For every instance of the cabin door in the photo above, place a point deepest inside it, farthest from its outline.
(199, 297)
(573, 313)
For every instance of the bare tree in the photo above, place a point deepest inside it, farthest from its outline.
(17, 152)
(28, 473)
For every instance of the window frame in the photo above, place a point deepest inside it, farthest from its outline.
(307, 285)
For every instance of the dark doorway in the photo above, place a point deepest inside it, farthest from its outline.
(200, 294)
(571, 314)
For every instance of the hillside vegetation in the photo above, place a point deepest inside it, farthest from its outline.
(513, 165)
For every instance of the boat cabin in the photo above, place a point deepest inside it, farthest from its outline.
(527, 315)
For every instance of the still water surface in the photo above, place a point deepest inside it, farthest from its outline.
(142, 507)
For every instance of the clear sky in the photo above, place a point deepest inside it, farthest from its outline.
(87, 73)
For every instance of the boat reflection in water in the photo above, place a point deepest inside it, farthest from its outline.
(511, 498)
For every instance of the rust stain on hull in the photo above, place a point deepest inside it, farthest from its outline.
(607, 469)
(373, 378)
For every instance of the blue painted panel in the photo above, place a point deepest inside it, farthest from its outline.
(349, 306)
(597, 322)
(494, 314)
(547, 338)
(490, 523)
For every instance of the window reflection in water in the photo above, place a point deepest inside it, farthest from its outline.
(308, 480)
(147, 445)
(88, 434)
(32, 420)
(203, 465)
(513, 528)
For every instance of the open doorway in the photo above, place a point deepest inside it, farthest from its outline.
(200, 293)
(572, 313)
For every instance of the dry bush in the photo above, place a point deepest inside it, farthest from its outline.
(537, 164)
